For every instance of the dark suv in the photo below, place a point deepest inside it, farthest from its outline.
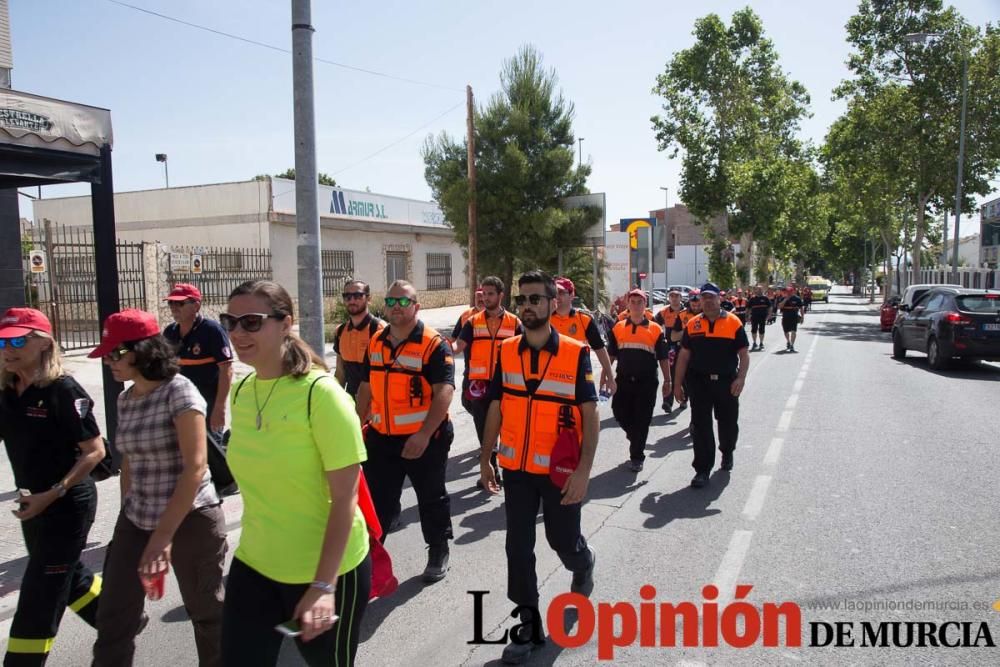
(949, 322)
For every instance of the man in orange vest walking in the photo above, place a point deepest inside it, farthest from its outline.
(542, 394)
(480, 340)
(464, 317)
(407, 384)
(637, 345)
(569, 321)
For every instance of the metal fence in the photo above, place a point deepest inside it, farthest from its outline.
(338, 268)
(62, 283)
(216, 272)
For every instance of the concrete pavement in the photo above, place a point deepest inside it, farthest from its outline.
(857, 484)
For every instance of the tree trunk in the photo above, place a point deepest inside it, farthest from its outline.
(746, 263)
(508, 280)
(887, 282)
(918, 235)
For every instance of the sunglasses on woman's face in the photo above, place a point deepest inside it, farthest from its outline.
(117, 353)
(533, 299)
(251, 322)
(403, 301)
(16, 343)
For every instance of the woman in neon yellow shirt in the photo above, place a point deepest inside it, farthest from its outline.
(296, 450)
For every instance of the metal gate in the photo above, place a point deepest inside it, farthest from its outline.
(64, 284)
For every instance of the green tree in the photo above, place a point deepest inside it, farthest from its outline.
(324, 179)
(735, 115)
(926, 110)
(525, 168)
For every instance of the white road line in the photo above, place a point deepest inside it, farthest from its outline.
(773, 451)
(792, 401)
(732, 563)
(755, 503)
(797, 387)
(785, 421)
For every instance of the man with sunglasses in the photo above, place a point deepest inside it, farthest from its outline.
(407, 383)
(480, 340)
(543, 386)
(204, 350)
(350, 342)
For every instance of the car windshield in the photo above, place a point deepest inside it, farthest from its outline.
(817, 286)
(979, 303)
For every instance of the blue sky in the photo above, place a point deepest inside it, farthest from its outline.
(222, 109)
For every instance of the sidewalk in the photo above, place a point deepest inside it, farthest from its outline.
(88, 373)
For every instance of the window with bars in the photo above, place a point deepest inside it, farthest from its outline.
(438, 271)
(395, 267)
(338, 268)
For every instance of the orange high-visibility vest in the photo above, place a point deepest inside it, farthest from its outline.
(530, 423)
(484, 351)
(573, 324)
(401, 396)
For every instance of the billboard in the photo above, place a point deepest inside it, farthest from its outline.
(360, 205)
(594, 235)
(616, 263)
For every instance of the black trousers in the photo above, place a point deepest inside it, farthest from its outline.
(708, 396)
(386, 470)
(255, 604)
(524, 494)
(54, 578)
(632, 405)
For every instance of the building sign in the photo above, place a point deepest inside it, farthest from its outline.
(616, 263)
(180, 262)
(195, 263)
(632, 227)
(41, 122)
(358, 205)
(36, 258)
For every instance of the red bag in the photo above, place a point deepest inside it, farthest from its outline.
(565, 455)
(384, 582)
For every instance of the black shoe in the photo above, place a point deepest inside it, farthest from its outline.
(668, 406)
(727, 462)
(583, 581)
(518, 653)
(437, 563)
(754, 348)
(143, 622)
(700, 480)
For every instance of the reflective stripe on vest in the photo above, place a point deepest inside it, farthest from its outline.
(484, 349)
(400, 395)
(637, 346)
(515, 380)
(565, 389)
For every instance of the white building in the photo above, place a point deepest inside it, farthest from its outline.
(968, 251)
(372, 237)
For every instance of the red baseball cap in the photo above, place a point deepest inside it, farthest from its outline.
(183, 292)
(18, 322)
(565, 284)
(636, 292)
(124, 327)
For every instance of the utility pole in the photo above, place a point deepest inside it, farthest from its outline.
(666, 237)
(580, 144)
(961, 162)
(471, 159)
(310, 289)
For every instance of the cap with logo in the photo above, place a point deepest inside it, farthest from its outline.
(125, 327)
(183, 292)
(637, 292)
(710, 288)
(695, 295)
(17, 322)
(565, 284)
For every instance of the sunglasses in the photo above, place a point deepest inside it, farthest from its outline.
(353, 295)
(533, 299)
(16, 343)
(251, 322)
(178, 304)
(403, 301)
(117, 353)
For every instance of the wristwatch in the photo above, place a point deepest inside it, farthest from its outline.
(324, 586)
(60, 489)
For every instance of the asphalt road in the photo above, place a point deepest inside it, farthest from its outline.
(859, 480)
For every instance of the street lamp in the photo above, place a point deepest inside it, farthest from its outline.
(666, 237)
(924, 38)
(162, 157)
(580, 143)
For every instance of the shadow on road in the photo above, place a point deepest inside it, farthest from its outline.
(382, 608)
(684, 503)
(865, 332)
(960, 370)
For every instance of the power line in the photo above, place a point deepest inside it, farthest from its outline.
(398, 141)
(280, 49)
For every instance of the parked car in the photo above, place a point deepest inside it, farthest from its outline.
(685, 290)
(949, 322)
(887, 315)
(913, 293)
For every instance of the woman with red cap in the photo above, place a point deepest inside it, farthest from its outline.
(170, 512)
(53, 442)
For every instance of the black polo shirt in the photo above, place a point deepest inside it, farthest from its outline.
(714, 346)
(201, 352)
(760, 307)
(790, 307)
(585, 390)
(439, 369)
(42, 429)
